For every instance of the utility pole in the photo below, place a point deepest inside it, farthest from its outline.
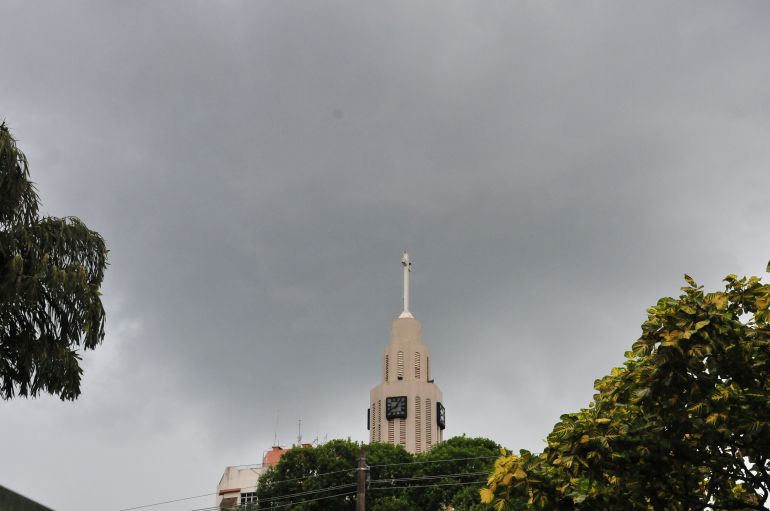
(361, 473)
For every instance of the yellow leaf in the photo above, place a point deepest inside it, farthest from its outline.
(719, 300)
(671, 338)
(520, 474)
(584, 439)
(603, 421)
(701, 324)
(486, 495)
(507, 479)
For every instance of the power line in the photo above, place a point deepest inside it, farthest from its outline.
(434, 461)
(312, 475)
(313, 500)
(175, 500)
(342, 494)
(428, 477)
(303, 493)
(425, 485)
(256, 506)
(351, 470)
(245, 487)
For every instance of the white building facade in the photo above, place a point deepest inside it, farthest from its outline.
(238, 485)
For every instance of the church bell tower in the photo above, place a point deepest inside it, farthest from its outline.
(406, 408)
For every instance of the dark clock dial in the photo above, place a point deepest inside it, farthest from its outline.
(440, 415)
(395, 407)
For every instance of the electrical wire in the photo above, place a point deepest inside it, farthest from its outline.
(311, 500)
(244, 488)
(257, 505)
(425, 485)
(433, 461)
(175, 500)
(308, 477)
(427, 477)
(309, 492)
(317, 475)
(343, 494)
(274, 505)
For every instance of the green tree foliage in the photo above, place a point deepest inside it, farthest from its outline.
(51, 270)
(439, 479)
(310, 473)
(683, 425)
(313, 472)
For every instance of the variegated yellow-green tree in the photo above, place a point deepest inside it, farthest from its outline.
(51, 270)
(683, 425)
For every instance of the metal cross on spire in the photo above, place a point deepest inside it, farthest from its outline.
(407, 264)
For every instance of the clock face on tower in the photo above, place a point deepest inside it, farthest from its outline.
(440, 415)
(395, 408)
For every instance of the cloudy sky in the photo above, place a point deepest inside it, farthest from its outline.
(257, 168)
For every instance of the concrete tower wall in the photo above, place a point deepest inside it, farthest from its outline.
(406, 372)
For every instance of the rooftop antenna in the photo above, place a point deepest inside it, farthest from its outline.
(275, 434)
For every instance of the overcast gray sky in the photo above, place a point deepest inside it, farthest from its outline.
(257, 168)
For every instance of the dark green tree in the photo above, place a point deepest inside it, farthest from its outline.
(51, 270)
(316, 472)
(311, 473)
(437, 483)
(683, 425)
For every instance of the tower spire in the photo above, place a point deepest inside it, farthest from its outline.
(407, 264)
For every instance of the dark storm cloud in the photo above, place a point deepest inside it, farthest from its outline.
(257, 168)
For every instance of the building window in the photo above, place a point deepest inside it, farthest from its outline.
(417, 424)
(402, 432)
(400, 367)
(379, 420)
(428, 424)
(374, 424)
(391, 433)
(387, 372)
(417, 365)
(248, 498)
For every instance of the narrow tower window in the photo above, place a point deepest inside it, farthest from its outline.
(379, 420)
(416, 365)
(373, 423)
(418, 424)
(428, 424)
(402, 432)
(387, 367)
(400, 367)
(390, 431)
